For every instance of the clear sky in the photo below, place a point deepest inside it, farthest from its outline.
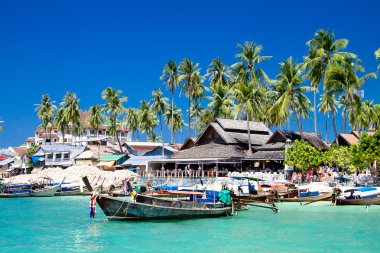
(84, 46)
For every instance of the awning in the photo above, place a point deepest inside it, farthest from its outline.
(106, 164)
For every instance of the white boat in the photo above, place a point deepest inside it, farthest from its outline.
(47, 191)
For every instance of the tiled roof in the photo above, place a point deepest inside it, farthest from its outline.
(350, 138)
(21, 151)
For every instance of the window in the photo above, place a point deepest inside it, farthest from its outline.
(92, 132)
(49, 156)
(66, 156)
(47, 140)
(58, 156)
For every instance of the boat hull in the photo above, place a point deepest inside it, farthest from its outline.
(362, 202)
(49, 192)
(126, 209)
(324, 196)
(15, 195)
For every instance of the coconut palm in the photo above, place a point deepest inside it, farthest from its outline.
(221, 102)
(114, 107)
(96, 118)
(147, 119)
(344, 102)
(60, 122)
(70, 105)
(45, 112)
(176, 123)
(153, 137)
(343, 77)
(218, 73)
(250, 56)
(249, 99)
(329, 104)
(376, 123)
(189, 73)
(170, 77)
(324, 51)
(132, 120)
(290, 93)
(159, 103)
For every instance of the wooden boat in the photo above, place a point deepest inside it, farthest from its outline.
(357, 196)
(320, 197)
(45, 192)
(142, 207)
(363, 202)
(18, 194)
(157, 209)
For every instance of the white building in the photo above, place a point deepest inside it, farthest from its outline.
(56, 136)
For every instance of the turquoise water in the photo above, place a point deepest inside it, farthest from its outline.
(62, 224)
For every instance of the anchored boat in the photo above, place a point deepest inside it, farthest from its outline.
(142, 207)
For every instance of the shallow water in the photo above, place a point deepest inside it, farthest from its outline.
(63, 224)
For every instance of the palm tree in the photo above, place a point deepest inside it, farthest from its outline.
(147, 119)
(60, 122)
(114, 107)
(170, 77)
(344, 77)
(330, 104)
(175, 123)
(344, 101)
(159, 105)
(218, 73)
(189, 74)
(132, 120)
(248, 98)
(324, 51)
(96, 117)
(221, 102)
(70, 105)
(153, 137)
(45, 112)
(250, 57)
(290, 93)
(376, 123)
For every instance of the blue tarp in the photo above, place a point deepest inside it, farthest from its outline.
(367, 189)
(36, 159)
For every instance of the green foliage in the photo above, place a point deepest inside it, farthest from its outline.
(303, 155)
(367, 151)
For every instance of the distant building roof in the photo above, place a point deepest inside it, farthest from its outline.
(313, 138)
(21, 151)
(30, 139)
(111, 158)
(6, 161)
(142, 160)
(211, 150)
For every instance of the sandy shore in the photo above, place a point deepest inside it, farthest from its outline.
(74, 174)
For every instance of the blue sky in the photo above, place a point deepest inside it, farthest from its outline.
(84, 46)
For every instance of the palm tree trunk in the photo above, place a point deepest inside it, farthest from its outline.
(334, 125)
(327, 129)
(315, 111)
(297, 119)
(162, 136)
(172, 120)
(63, 134)
(117, 137)
(189, 114)
(249, 137)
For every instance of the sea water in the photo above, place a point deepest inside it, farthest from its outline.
(62, 224)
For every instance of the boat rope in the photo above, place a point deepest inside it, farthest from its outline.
(119, 208)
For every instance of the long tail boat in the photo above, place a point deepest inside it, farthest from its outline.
(319, 197)
(364, 196)
(142, 207)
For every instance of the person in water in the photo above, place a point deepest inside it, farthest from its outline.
(92, 205)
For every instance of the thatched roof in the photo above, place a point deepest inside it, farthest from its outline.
(189, 142)
(313, 138)
(210, 150)
(231, 134)
(94, 152)
(272, 146)
(241, 126)
(268, 155)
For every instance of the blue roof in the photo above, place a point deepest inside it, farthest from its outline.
(142, 160)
